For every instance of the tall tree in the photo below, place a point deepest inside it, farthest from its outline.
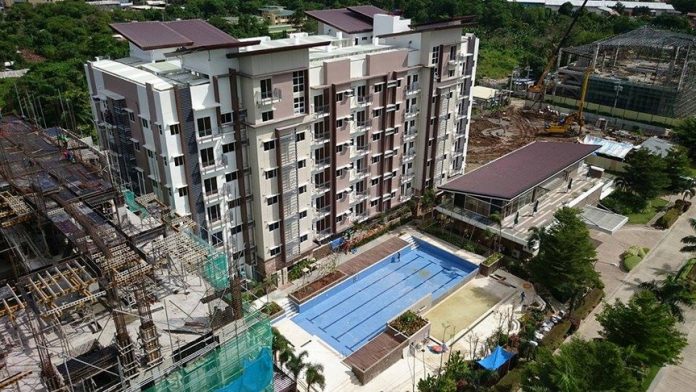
(690, 240)
(314, 375)
(565, 263)
(673, 293)
(686, 135)
(645, 174)
(677, 169)
(580, 366)
(646, 327)
(296, 364)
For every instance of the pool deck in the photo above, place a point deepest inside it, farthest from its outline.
(371, 256)
(376, 349)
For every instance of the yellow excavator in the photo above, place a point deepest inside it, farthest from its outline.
(571, 125)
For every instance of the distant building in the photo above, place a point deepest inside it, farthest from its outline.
(657, 146)
(602, 6)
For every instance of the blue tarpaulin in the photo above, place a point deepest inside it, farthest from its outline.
(496, 359)
(335, 244)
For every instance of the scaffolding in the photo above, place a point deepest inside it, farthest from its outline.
(243, 363)
(645, 70)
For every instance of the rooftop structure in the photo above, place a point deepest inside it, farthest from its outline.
(89, 267)
(646, 74)
(657, 146)
(275, 146)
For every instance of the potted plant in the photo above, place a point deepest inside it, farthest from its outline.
(491, 264)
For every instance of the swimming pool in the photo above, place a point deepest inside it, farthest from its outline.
(351, 313)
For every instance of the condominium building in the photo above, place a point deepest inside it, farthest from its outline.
(275, 146)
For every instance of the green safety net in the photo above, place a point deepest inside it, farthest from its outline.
(129, 196)
(242, 364)
(215, 268)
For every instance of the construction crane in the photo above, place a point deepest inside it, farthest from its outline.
(566, 126)
(537, 91)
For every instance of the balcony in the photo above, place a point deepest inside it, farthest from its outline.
(322, 163)
(320, 212)
(321, 111)
(409, 135)
(411, 112)
(359, 151)
(412, 88)
(268, 97)
(214, 166)
(363, 100)
(408, 175)
(452, 62)
(322, 188)
(357, 197)
(360, 126)
(358, 174)
(320, 138)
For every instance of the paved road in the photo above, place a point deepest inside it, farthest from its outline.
(664, 258)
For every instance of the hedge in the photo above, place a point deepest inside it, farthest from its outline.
(511, 381)
(630, 261)
(667, 220)
(556, 336)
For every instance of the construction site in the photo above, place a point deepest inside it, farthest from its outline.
(104, 291)
(644, 75)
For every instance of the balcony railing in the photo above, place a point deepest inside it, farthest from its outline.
(410, 112)
(320, 138)
(412, 88)
(210, 167)
(321, 110)
(268, 97)
(363, 99)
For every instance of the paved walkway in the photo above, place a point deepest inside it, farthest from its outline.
(664, 258)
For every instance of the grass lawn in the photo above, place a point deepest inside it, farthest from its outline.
(649, 377)
(643, 217)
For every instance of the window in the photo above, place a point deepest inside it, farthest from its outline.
(267, 116)
(373, 203)
(210, 185)
(204, 127)
(208, 156)
(214, 213)
(301, 163)
(339, 196)
(183, 191)
(269, 145)
(234, 203)
(339, 97)
(339, 148)
(272, 200)
(150, 154)
(374, 181)
(159, 128)
(226, 118)
(216, 239)
(300, 136)
(361, 91)
(227, 147)
(229, 177)
(144, 123)
(398, 83)
(271, 173)
(339, 123)
(266, 89)
(178, 161)
(319, 106)
(131, 116)
(298, 81)
(275, 251)
(379, 87)
(303, 238)
(375, 159)
(377, 112)
(303, 214)
(273, 226)
(298, 105)
(302, 189)
(436, 55)
(453, 53)
(450, 73)
(174, 129)
(376, 136)
(136, 146)
(236, 230)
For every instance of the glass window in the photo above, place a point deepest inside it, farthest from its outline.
(207, 156)
(204, 127)
(298, 81)
(266, 89)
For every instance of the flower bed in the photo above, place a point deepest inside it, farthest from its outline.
(271, 309)
(408, 323)
(490, 264)
(307, 291)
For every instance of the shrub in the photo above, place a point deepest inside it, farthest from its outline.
(408, 323)
(588, 303)
(667, 220)
(682, 205)
(631, 261)
(492, 259)
(295, 271)
(624, 203)
(511, 381)
(556, 336)
(271, 308)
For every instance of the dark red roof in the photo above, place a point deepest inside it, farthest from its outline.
(350, 20)
(189, 34)
(521, 170)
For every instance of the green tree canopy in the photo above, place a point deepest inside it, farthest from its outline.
(677, 169)
(565, 263)
(686, 134)
(645, 174)
(645, 327)
(580, 366)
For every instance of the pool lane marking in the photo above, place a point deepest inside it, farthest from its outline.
(370, 284)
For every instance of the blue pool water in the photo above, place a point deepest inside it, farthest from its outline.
(353, 312)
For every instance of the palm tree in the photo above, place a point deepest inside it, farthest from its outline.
(280, 343)
(314, 375)
(498, 220)
(296, 363)
(689, 189)
(537, 234)
(428, 199)
(673, 293)
(690, 240)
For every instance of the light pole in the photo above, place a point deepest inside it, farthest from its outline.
(618, 88)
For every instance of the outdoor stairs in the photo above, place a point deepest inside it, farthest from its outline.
(411, 242)
(288, 306)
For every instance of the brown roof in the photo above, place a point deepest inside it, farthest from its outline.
(350, 20)
(189, 34)
(514, 173)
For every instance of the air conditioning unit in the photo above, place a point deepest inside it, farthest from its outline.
(349, 93)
